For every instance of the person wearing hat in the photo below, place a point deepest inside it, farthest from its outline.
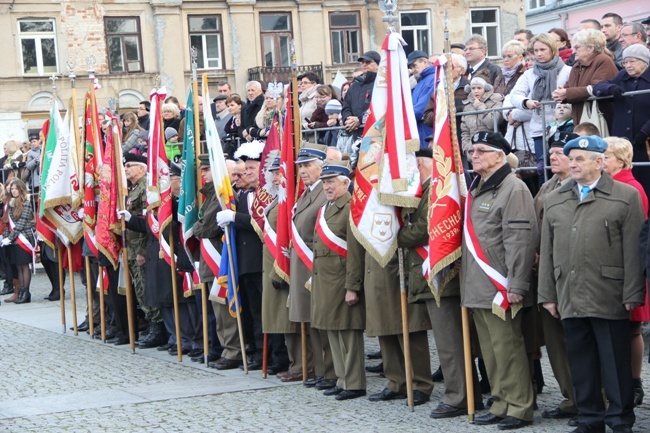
(221, 114)
(480, 96)
(445, 316)
(357, 98)
(333, 111)
(551, 326)
(309, 165)
(335, 310)
(421, 69)
(630, 112)
(223, 327)
(135, 169)
(249, 249)
(498, 254)
(590, 277)
(32, 173)
(275, 314)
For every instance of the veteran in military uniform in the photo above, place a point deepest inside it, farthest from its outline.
(498, 255)
(590, 277)
(334, 309)
(309, 165)
(135, 168)
(551, 326)
(446, 315)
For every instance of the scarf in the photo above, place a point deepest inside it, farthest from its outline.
(546, 78)
(509, 73)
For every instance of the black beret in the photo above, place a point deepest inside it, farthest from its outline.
(559, 139)
(492, 139)
(424, 152)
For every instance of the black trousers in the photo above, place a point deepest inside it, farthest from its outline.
(117, 302)
(594, 346)
(250, 288)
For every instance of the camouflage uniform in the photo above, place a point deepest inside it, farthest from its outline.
(136, 202)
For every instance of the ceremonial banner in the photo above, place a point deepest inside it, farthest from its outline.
(93, 160)
(446, 193)
(108, 225)
(286, 194)
(390, 137)
(265, 192)
(60, 190)
(159, 192)
(188, 210)
(225, 195)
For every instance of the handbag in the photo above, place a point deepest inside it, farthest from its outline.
(591, 114)
(525, 157)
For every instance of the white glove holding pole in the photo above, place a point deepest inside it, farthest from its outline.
(5, 242)
(225, 217)
(125, 213)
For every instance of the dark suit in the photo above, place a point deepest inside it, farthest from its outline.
(487, 70)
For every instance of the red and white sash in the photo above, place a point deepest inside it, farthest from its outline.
(423, 252)
(212, 258)
(500, 302)
(22, 241)
(270, 236)
(304, 252)
(333, 242)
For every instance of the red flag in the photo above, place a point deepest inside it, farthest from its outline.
(286, 194)
(446, 193)
(264, 194)
(107, 222)
(92, 160)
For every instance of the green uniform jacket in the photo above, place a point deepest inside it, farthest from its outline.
(382, 293)
(328, 308)
(589, 261)
(207, 228)
(505, 224)
(136, 203)
(275, 313)
(305, 219)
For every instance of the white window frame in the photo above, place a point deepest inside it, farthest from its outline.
(37, 37)
(484, 26)
(204, 42)
(536, 4)
(417, 29)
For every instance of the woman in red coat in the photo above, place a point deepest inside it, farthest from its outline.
(618, 164)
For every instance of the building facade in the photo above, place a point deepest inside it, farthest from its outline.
(133, 44)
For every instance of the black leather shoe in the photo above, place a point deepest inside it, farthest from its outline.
(164, 347)
(349, 394)
(195, 352)
(325, 384)
(437, 376)
(622, 428)
(310, 383)
(512, 423)
(226, 364)
(573, 422)
(419, 398)
(333, 391)
(588, 428)
(119, 340)
(253, 365)
(55, 296)
(374, 355)
(444, 410)
(379, 368)
(557, 413)
(385, 395)
(173, 351)
(83, 327)
(275, 368)
(487, 419)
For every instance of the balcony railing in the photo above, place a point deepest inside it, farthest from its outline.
(281, 73)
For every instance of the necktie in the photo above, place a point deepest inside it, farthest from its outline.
(583, 192)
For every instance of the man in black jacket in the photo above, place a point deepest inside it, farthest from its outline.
(478, 63)
(357, 100)
(143, 114)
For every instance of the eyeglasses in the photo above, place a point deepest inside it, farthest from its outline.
(480, 151)
(625, 35)
(472, 48)
(510, 56)
(129, 165)
(306, 82)
(237, 174)
(367, 62)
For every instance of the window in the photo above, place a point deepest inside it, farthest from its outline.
(38, 46)
(485, 22)
(123, 44)
(276, 39)
(206, 37)
(535, 4)
(415, 31)
(345, 32)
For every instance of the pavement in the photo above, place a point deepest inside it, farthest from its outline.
(58, 382)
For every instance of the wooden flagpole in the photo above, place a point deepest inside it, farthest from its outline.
(451, 106)
(199, 197)
(124, 250)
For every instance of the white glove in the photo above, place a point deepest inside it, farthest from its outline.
(125, 213)
(5, 242)
(225, 217)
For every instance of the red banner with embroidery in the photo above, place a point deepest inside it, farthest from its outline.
(265, 192)
(92, 161)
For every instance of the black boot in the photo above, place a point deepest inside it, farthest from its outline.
(24, 296)
(7, 289)
(637, 387)
(156, 337)
(55, 295)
